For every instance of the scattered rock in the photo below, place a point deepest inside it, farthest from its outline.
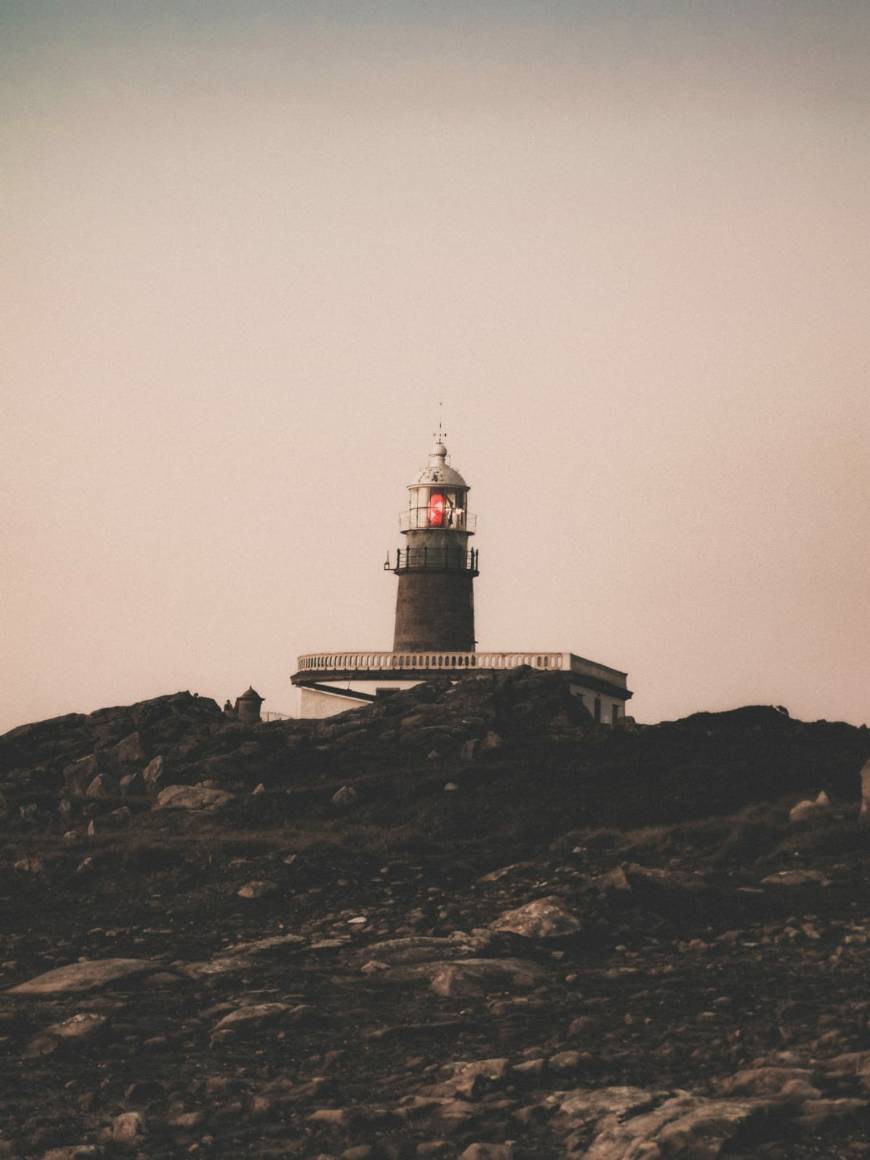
(275, 946)
(154, 773)
(192, 797)
(102, 786)
(544, 918)
(487, 1152)
(80, 1028)
(467, 977)
(796, 878)
(249, 1020)
(257, 889)
(92, 975)
(417, 985)
(30, 864)
(345, 796)
(616, 1123)
(128, 1128)
(130, 750)
(72, 1152)
(79, 775)
(809, 809)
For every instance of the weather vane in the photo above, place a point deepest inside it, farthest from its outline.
(442, 434)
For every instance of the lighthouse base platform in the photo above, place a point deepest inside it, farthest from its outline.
(334, 682)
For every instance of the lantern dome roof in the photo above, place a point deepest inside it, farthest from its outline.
(438, 470)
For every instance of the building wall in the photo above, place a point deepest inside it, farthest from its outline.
(606, 704)
(315, 703)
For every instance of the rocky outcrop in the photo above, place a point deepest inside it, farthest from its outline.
(192, 797)
(85, 976)
(463, 923)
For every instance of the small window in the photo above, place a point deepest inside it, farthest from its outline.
(597, 708)
(614, 714)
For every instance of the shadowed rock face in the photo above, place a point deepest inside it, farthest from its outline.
(595, 943)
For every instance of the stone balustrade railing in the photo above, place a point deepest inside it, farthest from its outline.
(439, 661)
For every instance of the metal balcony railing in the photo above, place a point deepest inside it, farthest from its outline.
(432, 560)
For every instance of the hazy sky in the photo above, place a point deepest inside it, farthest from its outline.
(248, 246)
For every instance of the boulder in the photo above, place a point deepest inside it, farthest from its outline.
(250, 1020)
(427, 949)
(345, 796)
(72, 1152)
(796, 878)
(544, 918)
(468, 977)
(79, 775)
(132, 784)
(192, 797)
(102, 786)
(491, 742)
(128, 1128)
(273, 946)
(487, 1152)
(30, 864)
(154, 773)
(91, 975)
(790, 1083)
(468, 1078)
(810, 808)
(80, 1028)
(615, 1123)
(257, 889)
(685, 1125)
(130, 750)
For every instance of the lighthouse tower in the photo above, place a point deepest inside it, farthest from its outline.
(434, 633)
(436, 567)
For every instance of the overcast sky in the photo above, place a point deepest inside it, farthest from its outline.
(248, 247)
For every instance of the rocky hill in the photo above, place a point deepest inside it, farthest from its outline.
(463, 922)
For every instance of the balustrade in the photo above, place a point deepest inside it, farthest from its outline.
(450, 661)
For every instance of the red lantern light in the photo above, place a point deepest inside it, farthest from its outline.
(436, 510)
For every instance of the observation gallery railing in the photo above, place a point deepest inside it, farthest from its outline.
(439, 661)
(432, 560)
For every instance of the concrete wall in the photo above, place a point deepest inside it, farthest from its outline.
(314, 703)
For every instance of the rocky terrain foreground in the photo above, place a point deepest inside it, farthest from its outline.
(465, 922)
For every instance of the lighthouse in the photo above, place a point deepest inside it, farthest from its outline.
(436, 567)
(434, 629)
